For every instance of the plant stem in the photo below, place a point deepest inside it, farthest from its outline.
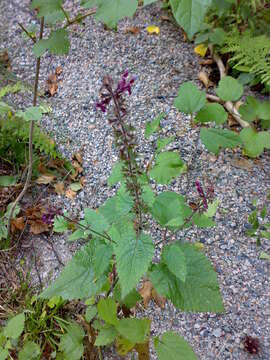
(79, 18)
(31, 132)
(66, 14)
(33, 38)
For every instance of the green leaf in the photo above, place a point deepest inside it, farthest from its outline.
(148, 195)
(77, 280)
(133, 255)
(170, 210)
(7, 180)
(200, 291)
(107, 310)
(174, 257)
(95, 220)
(117, 174)
(71, 343)
(3, 353)
(202, 221)
(217, 36)
(57, 44)
(148, 2)
(130, 300)
(190, 14)
(4, 108)
(32, 113)
(107, 334)
(190, 99)
(249, 110)
(75, 186)
(90, 313)
(135, 330)
(168, 165)
(46, 7)
(171, 346)
(265, 234)
(153, 126)
(214, 139)
(15, 327)
(30, 351)
(264, 256)
(78, 234)
(162, 143)
(102, 257)
(60, 224)
(212, 208)
(111, 11)
(255, 142)
(264, 110)
(212, 112)
(229, 89)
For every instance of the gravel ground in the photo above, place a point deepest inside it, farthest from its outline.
(160, 64)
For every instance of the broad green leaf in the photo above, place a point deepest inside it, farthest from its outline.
(78, 234)
(168, 165)
(71, 343)
(6, 180)
(46, 7)
(117, 206)
(107, 310)
(190, 99)
(89, 3)
(214, 139)
(123, 346)
(190, 14)
(170, 210)
(107, 334)
(171, 346)
(116, 175)
(212, 208)
(148, 195)
(60, 224)
(174, 258)
(77, 280)
(229, 89)
(55, 17)
(217, 36)
(15, 326)
(133, 255)
(4, 353)
(75, 186)
(264, 110)
(4, 108)
(57, 43)
(90, 313)
(102, 257)
(153, 126)
(162, 143)
(32, 113)
(249, 110)
(130, 300)
(111, 11)
(265, 234)
(212, 112)
(95, 220)
(200, 292)
(202, 221)
(135, 330)
(30, 351)
(255, 142)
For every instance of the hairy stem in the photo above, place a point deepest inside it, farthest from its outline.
(31, 132)
(33, 38)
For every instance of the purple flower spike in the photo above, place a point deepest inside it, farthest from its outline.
(125, 75)
(201, 193)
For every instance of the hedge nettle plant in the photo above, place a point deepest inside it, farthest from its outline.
(119, 252)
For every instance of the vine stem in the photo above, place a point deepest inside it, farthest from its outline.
(31, 132)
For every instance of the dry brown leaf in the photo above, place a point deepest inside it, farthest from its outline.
(70, 194)
(143, 351)
(146, 292)
(77, 166)
(17, 224)
(165, 18)
(59, 188)
(38, 227)
(58, 70)
(132, 30)
(203, 77)
(78, 157)
(159, 300)
(207, 62)
(45, 179)
(42, 168)
(82, 181)
(242, 164)
(52, 85)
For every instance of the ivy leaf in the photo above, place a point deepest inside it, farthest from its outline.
(190, 99)
(229, 89)
(30, 351)
(214, 139)
(133, 255)
(46, 7)
(135, 330)
(107, 334)
(174, 257)
(168, 165)
(190, 14)
(212, 112)
(117, 174)
(111, 11)
(77, 280)
(170, 210)
(107, 310)
(153, 126)
(15, 327)
(171, 346)
(255, 142)
(200, 291)
(71, 343)
(57, 44)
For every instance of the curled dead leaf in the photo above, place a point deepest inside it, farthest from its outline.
(204, 78)
(58, 70)
(242, 164)
(17, 224)
(59, 188)
(159, 300)
(207, 62)
(132, 30)
(148, 292)
(78, 156)
(51, 85)
(38, 226)
(70, 194)
(45, 179)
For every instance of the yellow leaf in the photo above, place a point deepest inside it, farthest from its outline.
(199, 246)
(152, 29)
(201, 50)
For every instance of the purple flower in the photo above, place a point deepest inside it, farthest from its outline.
(201, 193)
(49, 215)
